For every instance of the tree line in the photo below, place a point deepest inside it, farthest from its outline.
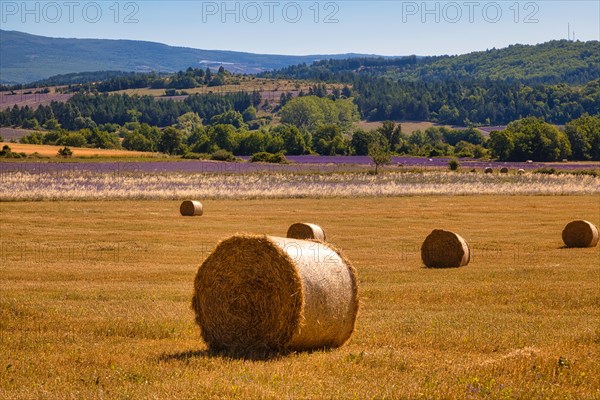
(190, 137)
(84, 110)
(321, 123)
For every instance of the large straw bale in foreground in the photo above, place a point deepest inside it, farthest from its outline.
(272, 293)
(306, 231)
(580, 234)
(191, 208)
(444, 249)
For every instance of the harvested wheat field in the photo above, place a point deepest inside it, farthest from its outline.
(95, 301)
(51, 151)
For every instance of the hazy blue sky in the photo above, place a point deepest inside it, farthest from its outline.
(311, 27)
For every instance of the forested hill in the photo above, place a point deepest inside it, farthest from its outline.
(553, 62)
(28, 58)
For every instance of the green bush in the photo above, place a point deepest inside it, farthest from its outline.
(546, 171)
(65, 152)
(6, 150)
(196, 156)
(223, 155)
(263, 156)
(579, 172)
(453, 165)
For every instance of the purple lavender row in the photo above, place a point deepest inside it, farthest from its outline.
(316, 164)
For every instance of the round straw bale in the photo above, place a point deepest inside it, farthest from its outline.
(521, 171)
(444, 249)
(504, 170)
(256, 293)
(488, 170)
(580, 234)
(306, 231)
(191, 208)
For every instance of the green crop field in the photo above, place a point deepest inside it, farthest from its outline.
(95, 301)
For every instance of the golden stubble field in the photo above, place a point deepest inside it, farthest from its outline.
(95, 301)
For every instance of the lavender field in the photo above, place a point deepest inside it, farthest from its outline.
(298, 164)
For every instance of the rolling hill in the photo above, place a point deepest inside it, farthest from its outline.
(27, 58)
(553, 62)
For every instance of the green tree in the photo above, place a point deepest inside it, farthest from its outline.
(537, 140)
(137, 142)
(224, 136)
(230, 117)
(328, 140)
(189, 122)
(52, 124)
(171, 141)
(251, 142)
(294, 142)
(584, 135)
(310, 112)
(360, 142)
(102, 139)
(448, 115)
(134, 115)
(379, 151)
(303, 112)
(73, 139)
(249, 114)
(392, 132)
(31, 123)
(33, 138)
(501, 144)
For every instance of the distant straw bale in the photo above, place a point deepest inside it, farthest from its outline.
(504, 170)
(305, 230)
(265, 293)
(580, 234)
(488, 170)
(191, 208)
(444, 249)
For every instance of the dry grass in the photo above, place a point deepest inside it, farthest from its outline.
(408, 127)
(94, 301)
(51, 151)
(269, 89)
(140, 185)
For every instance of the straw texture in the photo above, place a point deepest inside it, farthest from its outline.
(270, 293)
(580, 234)
(444, 249)
(305, 230)
(191, 208)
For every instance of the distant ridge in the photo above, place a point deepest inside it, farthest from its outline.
(28, 58)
